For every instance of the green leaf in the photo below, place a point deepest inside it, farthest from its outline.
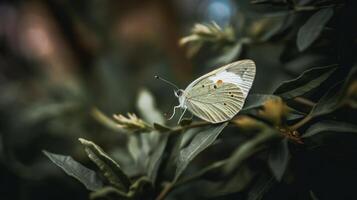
(329, 102)
(134, 149)
(156, 157)
(294, 114)
(262, 186)
(142, 188)
(311, 30)
(203, 139)
(330, 126)
(248, 149)
(187, 137)
(333, 98)
(306, 82)
(110, 169)
(232, 184)
(75, 169)
(229, 54)
(279, 158)
(313, 196)
(147, 107)
(139, 150)
(257, 100)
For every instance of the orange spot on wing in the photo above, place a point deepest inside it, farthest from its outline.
(219, 82)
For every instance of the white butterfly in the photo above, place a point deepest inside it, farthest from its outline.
(218, 95)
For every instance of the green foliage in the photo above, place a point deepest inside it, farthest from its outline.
(311, 30)
(306, 82)
(257, 150)
(200, 141)
(110, 169)
(86, 176)
(279, 158)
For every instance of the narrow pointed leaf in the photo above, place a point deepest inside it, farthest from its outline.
(261, 187)
(306, 82)
(156, 157)
(147, 107)
(257, 100)
(279, 158)
(75, 169)
(330, 126)
(311, 30)
(203, 139)
(248, 149)
(329, 102)
(228, 55)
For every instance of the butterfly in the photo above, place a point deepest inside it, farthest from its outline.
(218, 95)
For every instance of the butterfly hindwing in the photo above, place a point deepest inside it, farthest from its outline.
(216, 103)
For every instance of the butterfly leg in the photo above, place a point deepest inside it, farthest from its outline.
(183, 113)
(173, 114)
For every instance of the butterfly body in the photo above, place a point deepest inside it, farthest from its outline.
(219, 95)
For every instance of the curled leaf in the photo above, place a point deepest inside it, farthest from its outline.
(111, 170)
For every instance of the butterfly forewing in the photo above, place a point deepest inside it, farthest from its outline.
(219, 95)
(246, 70)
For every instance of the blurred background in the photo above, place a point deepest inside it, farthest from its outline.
(59, 59)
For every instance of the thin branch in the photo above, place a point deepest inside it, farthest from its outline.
(301, 122)
(304, 101)
(193, 125)
(165, 192)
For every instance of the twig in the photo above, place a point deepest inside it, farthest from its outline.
(301, 122)
(193, 125)
(304, 101)
(165, 192)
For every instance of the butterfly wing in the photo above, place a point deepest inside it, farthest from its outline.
(219, 95)
(216, 104)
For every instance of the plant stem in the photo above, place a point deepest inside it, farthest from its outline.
(304, 101)
(165, 192)
(193, 125)
(301, 122)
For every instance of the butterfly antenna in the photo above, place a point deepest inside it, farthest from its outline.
(168, 82)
